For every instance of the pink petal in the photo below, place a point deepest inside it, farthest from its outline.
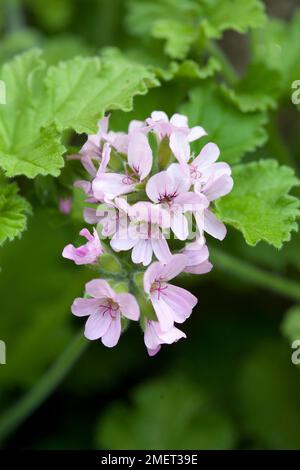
(111, 185)
(172, 268)
(196, 133)
(142, 252)
(208, 155)
(128, 306)
(179, 225)
(201, 268)
(123, 241)
(99, 288)
(105, 158)
(163, 312)
(179, 120)
(180, 301)
(213, 226)
(97, 325)
(83, 307)
(161, 249)
(86, 186)
(180, 146)
(159, 116)
(90, 215)
(158, 186)
(218, 187)
(139, 154)
(151, 274)
(180, 182)
(112, 336)
(152, 352)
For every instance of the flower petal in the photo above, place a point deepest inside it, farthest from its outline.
(208, 155)
(172, 268)
(128, 306)
(112, 336)
(110, 185)
(161, 249)
(180, 146)
(142, 252)
(140, 154)
(83, 307)
(214, 226)
(97, 325)
(99, 288)
(181, 301)
(158, 186)
(179, 225)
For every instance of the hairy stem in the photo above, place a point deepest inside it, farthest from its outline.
(254, 275)
(19, 412)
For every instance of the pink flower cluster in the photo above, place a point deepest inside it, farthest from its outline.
(161, 196)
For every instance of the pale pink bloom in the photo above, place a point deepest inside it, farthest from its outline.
(65, 205)
(197, 258)
(171, 303)
(170, 188)
(143, 234)
(212, 180)
(105, 308)
(87, 253)
(162, 126)
(154, 336)
(120, 140)
(178, 131)
(86, 185)
(107, 186)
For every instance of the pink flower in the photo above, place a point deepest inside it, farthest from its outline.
(65, 205)
(120, 140)
(177, 130)
(86, 185)
(170, 188)
(171, 303)
(197, 258)
(143, 234)
(105, 308)
(85, 254)
(162, 126)
(107, 186)
(154, 336)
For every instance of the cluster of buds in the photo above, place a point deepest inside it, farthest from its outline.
(149, 197)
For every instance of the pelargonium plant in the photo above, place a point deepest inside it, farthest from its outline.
(149, 200)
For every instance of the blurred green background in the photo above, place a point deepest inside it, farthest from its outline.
(231, 384)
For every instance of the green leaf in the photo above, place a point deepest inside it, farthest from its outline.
(258, 90)
(182, 24)
(13, 212)
(72, 95)
(278, 46)
(196, 424)
(25, 147)
(82, 89)
(234, 132)
(259, 204)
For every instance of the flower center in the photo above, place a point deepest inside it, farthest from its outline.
(158, 287)
(194, 172)
(111, 307)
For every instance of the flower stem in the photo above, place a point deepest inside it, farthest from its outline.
(256, 276)
(19, 412)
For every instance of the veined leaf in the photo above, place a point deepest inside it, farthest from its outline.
(182, 24)
(13, 212)
(234, 132)
(260, 205)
